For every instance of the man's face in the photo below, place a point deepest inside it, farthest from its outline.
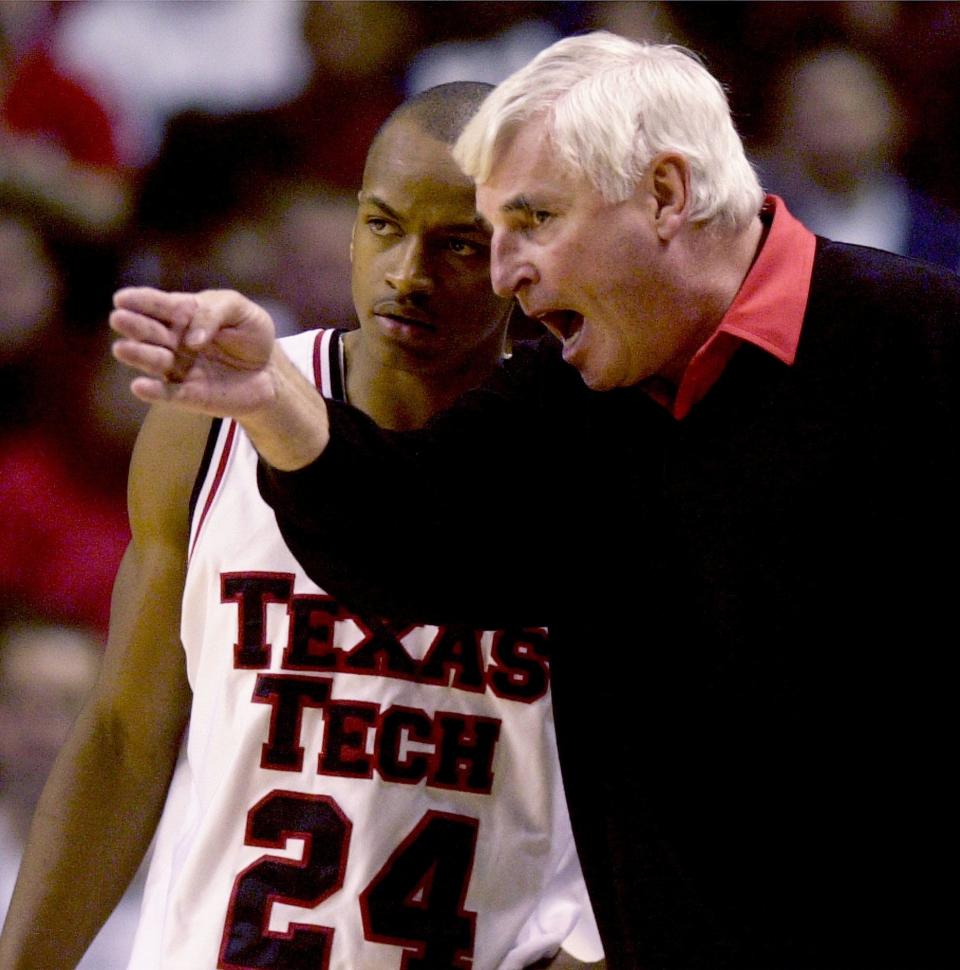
(421, 258)
(592, 271)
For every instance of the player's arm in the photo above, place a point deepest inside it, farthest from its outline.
(102, 801)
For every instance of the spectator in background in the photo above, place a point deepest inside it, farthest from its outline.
(46, 672)
(310, 279)
(153, 60)
(63, 207)
(488, 42)
(63, 512)
(224, 204)
(358, 51)
(64, 204)
(652, 22)
(835, 159)
(58, 152)
(352, 78)
(31, 287)
(746, 46)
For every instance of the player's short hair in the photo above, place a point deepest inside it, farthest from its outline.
(610, 105)
(442, 111)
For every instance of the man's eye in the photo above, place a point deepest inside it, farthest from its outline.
(540, 216)
(380, 227)
(462, 247)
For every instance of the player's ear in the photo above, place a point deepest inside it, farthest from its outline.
(667, 180)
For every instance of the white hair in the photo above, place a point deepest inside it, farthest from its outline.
(610, 105)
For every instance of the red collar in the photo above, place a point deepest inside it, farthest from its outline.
(767, 310)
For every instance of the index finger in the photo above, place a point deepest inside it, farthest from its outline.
(174, 309)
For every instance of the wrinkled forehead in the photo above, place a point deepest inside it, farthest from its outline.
(526, 171)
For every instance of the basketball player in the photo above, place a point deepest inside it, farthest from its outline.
(354, 792)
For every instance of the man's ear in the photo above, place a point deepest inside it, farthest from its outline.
(668, 182)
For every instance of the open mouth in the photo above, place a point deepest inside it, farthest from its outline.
(563, 324)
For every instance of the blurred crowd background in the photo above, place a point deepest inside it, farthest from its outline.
(188, 145)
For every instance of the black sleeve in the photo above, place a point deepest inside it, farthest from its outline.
(452, 523)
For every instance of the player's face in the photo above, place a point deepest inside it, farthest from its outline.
(421, 257)
(590, 270)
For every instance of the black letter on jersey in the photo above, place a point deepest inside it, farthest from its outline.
(288, 696)
(465, 750)
(312, 619)
(252, 592)
(520, 669)
(457, 648)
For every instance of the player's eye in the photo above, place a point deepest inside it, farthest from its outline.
(462, 247)
(540, 216)
(380, 226)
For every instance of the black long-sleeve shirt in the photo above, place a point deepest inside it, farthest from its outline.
(751, 613)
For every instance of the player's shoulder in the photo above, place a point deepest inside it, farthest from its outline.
(317, 354)
(171, 436)
(308, 341)
(303, 338)
(166, 458)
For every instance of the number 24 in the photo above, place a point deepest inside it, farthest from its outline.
(415, 901)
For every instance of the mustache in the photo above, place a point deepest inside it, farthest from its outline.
(403, 310)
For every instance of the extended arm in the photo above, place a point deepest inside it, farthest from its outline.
(451, 523)
(104, 796)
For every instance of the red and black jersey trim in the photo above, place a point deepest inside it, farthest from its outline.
(338, 392)
(335, 365)
(205, 462)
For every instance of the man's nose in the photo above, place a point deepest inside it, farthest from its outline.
(409, 272)
(510, 266)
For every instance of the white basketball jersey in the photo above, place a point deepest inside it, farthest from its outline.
(351, 795)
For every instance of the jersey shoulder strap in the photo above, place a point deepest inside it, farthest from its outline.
(329, 364)
(319, 351)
